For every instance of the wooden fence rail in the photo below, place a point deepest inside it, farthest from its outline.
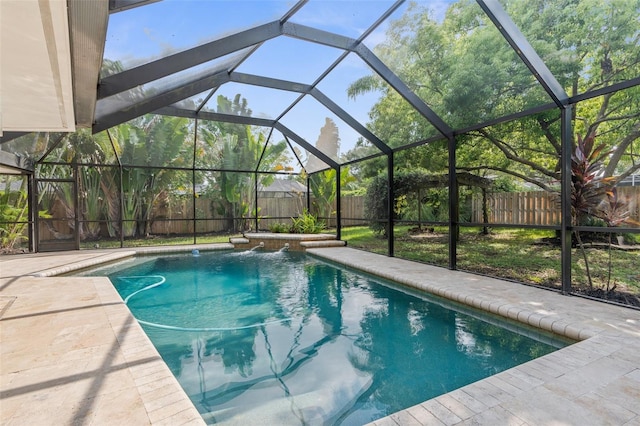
(538, 207)
(176, 215)
(518, 208)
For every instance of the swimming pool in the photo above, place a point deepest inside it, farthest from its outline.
(285, 338)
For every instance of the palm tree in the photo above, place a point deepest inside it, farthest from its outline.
(232, 148)
(146, 147)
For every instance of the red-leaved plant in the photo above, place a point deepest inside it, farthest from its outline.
(593, 194)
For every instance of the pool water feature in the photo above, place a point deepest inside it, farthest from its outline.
(285, 338)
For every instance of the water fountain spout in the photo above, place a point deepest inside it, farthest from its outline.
(285, 248)
(261, 245)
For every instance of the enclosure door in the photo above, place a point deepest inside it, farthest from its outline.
(57, 219)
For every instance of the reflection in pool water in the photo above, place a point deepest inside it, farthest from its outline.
(284, 338)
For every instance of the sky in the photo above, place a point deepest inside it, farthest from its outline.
(142, 34)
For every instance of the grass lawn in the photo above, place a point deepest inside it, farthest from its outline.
(516, 254)
(159, 241)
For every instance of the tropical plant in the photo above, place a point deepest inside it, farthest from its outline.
(588, 186)
(615, 212)
(307, 223)
(237, 151)
(323, 188)
(94, 151)
(13, 212)
(146, 147)
(90, 155)
(593, 194)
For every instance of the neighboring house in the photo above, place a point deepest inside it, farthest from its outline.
(282, 188)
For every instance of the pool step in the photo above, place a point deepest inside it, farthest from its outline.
(279, 241)
(322, 243)
(239, 240)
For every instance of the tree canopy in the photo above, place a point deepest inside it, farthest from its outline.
(464, 69)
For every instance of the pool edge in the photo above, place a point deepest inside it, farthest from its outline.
(506, 398)
(579, 384)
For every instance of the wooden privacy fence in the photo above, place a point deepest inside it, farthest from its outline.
(528, 208)
(538, 207)
(282, 209)
(177, 219)
(518, 208)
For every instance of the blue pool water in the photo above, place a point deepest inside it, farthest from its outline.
(284, 338)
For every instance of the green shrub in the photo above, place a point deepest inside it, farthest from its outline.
(278, 228)
(307, 224)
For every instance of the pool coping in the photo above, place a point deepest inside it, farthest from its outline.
(597, 378)
(121, 254)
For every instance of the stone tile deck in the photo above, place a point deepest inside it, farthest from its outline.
(71, 352)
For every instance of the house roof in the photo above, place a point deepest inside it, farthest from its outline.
(284, 185)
